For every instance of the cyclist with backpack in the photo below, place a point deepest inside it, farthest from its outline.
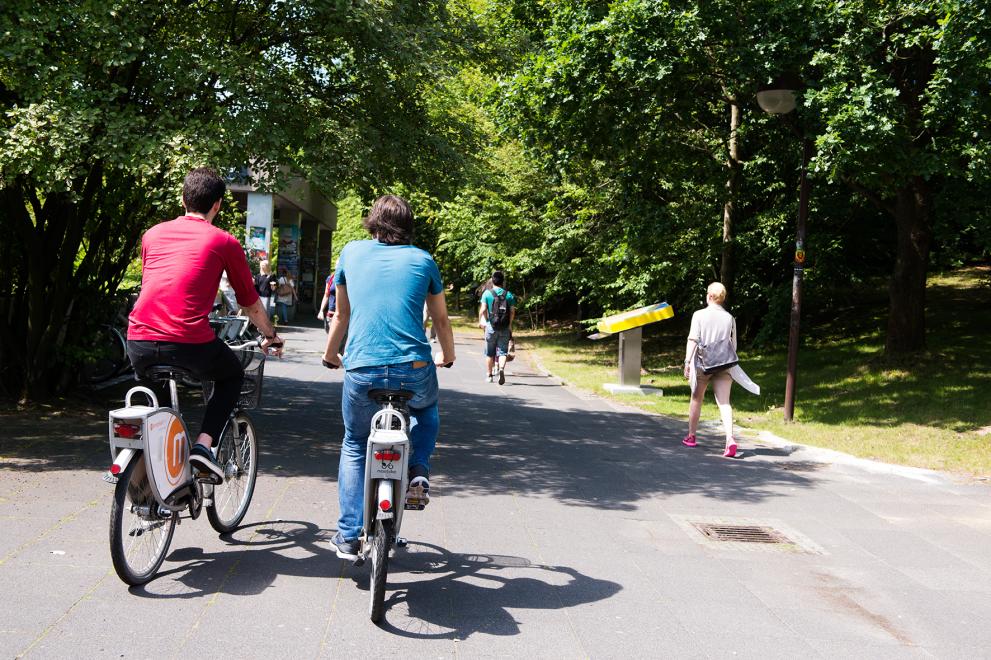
(495, 315)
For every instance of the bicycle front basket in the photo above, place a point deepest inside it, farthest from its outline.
(251, 387)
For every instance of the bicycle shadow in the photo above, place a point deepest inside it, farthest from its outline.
(447, 595)
(476, 593)
(243, 572)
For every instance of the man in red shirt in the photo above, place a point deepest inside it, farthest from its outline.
(182, 262)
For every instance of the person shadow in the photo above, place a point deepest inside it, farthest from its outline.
(432, 592)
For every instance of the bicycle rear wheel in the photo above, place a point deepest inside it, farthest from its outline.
(381, 541)
(237, 453)
(139, 537)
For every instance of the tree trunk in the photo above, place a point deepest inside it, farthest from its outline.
(727, 269)
(907, 318)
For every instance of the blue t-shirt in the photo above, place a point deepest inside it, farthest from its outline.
(387, 286)
(489, 297)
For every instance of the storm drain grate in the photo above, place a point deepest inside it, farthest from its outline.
(741, 533)
(800, 466)
(746, 534)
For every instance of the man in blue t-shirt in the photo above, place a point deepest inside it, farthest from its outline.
(382, 285)
(495, 315)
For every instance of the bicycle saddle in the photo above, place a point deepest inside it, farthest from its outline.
(392, 396)
(163, 372)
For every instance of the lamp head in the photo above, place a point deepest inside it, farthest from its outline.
(778, 97)
(776, 101)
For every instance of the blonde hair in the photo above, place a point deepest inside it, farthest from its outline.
(717, 292)
(264, 267)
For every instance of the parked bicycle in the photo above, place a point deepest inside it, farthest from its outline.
(107, 360)
(231, 328)
(149, 447)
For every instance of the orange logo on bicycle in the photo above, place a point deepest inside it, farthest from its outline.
(175, 451)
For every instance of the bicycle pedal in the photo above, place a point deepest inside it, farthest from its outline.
(209, 478)
(414, 505)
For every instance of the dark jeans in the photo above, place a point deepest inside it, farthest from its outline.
(210, 361)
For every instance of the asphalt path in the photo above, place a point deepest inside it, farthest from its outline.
(561, 526)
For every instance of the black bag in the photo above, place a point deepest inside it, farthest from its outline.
(715, 357)
(262, 286)
(499, 314)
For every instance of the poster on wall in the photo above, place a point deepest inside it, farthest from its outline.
(289, 249)
(258, 243)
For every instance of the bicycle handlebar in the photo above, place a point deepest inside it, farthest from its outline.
(255, 343)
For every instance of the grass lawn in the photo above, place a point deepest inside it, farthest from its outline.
(932, 412)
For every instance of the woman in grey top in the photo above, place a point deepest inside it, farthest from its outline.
(710, 325)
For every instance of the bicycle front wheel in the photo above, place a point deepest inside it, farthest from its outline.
(237, 453)
(381, 541)
(139, 536)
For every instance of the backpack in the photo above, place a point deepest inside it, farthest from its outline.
(499, 312)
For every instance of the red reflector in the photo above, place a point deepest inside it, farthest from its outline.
(385, 505)
(387, 456)
(114, 469)
(127, 430)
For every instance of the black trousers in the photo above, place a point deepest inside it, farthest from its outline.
(210, 361)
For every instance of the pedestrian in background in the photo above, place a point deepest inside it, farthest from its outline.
(285, 294)
(495, 316)
(328, 305)
(265, 285)
(713, 331)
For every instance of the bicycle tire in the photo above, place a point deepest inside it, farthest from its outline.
(132, 490)
(379, 572)
(111, 356)
(232, 498)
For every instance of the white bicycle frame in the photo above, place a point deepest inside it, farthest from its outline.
(386, 467)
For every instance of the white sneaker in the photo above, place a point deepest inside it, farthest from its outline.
(488, 378)
(417, 493)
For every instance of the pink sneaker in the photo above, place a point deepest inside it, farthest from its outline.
(730, 450)
(689, 440)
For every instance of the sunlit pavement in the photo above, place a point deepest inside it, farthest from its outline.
(560, 527)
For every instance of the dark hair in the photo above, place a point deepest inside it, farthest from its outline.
(202, 189)
(391, 220)
(498, 278)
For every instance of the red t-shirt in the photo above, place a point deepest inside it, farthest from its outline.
(182, 261)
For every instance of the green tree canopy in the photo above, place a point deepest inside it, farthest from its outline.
(106, 105)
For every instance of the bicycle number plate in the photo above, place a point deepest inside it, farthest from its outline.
(390, 468)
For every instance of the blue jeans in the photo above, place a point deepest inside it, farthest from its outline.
(358, 409)
(283, 311)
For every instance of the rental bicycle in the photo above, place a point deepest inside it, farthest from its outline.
(149, 449)
(386, 481)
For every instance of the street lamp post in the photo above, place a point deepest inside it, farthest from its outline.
(779, 98)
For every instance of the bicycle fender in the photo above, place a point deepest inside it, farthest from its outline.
(120, 464)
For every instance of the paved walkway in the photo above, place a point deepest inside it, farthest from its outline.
(561, 527)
